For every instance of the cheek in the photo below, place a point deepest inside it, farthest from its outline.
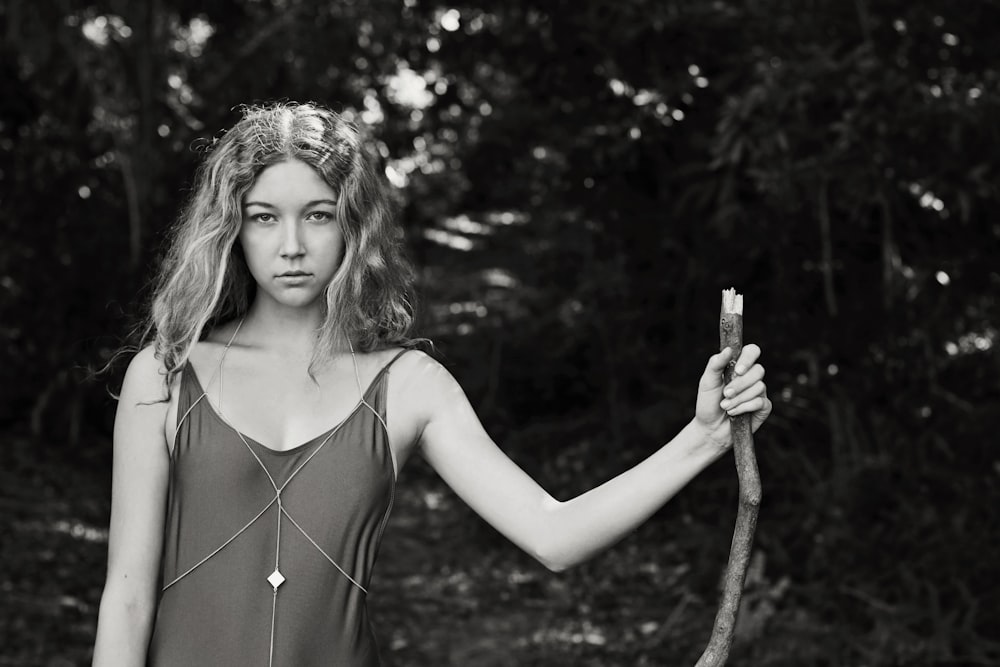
(250, 251)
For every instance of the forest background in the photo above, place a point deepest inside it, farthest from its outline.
(577, 181)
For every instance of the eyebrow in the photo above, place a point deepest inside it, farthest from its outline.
(264, 204)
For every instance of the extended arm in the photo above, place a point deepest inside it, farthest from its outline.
(562, 534)
(138, 499)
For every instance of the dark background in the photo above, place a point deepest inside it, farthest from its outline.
(578, 181)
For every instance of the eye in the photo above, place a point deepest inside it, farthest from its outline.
(263, 218)
(320, 216)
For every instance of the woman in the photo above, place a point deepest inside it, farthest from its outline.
(244, 527)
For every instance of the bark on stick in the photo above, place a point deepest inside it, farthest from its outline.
(717, 651)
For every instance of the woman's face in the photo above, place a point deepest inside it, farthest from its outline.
(291, 238)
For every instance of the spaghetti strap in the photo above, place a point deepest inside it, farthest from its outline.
(378, 376)
(218, 371)
(375, 381)
(385, 369)
(189, 395)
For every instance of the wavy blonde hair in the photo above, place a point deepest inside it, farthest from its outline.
(204, 280)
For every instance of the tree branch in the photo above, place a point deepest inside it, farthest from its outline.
(890, 257)
(826, 261)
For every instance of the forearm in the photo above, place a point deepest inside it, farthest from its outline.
(124, 625)
(580, 528)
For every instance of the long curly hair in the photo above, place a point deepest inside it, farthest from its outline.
(204, 280)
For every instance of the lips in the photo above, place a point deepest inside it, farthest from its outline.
(294, 278)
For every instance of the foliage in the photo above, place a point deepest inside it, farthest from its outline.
(578, 182)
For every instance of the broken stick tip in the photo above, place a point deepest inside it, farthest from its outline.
(732, 303)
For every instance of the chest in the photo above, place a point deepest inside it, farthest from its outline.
(282, 408)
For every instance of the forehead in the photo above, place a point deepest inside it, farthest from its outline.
(289, 182)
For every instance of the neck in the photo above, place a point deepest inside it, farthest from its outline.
(287, 331)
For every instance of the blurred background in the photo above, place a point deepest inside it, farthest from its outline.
(578, 181)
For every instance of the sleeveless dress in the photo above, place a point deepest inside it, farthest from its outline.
(268, 555)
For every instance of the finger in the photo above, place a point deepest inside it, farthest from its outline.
(761, 415)
(717, 362)
(754, 391)
(740, 383)
(711, 379)
(749, 356)
(751, 406)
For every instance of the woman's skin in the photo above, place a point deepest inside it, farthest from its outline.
(266, 393)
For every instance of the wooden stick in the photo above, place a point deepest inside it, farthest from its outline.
(717, 651)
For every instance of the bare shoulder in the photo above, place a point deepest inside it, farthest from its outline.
(422, 382)
(417, 369)
(145, 378)
(144, 404)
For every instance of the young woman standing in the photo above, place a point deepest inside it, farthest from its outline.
(261, 428)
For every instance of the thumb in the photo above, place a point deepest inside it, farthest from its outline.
(712, 377)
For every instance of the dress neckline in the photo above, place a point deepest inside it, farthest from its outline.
(271, 450)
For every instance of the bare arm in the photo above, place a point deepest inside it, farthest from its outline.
(138, 499)
(562, 534)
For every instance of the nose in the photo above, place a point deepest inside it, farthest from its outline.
(291, 240)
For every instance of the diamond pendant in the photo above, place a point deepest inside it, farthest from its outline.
(276, 579)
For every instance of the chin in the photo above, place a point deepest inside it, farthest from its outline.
(297, 300)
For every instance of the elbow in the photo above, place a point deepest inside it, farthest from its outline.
(553, 564)
(558, 566)
(551, 548)
(135, 603)
(558, 560)
(124, 626)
